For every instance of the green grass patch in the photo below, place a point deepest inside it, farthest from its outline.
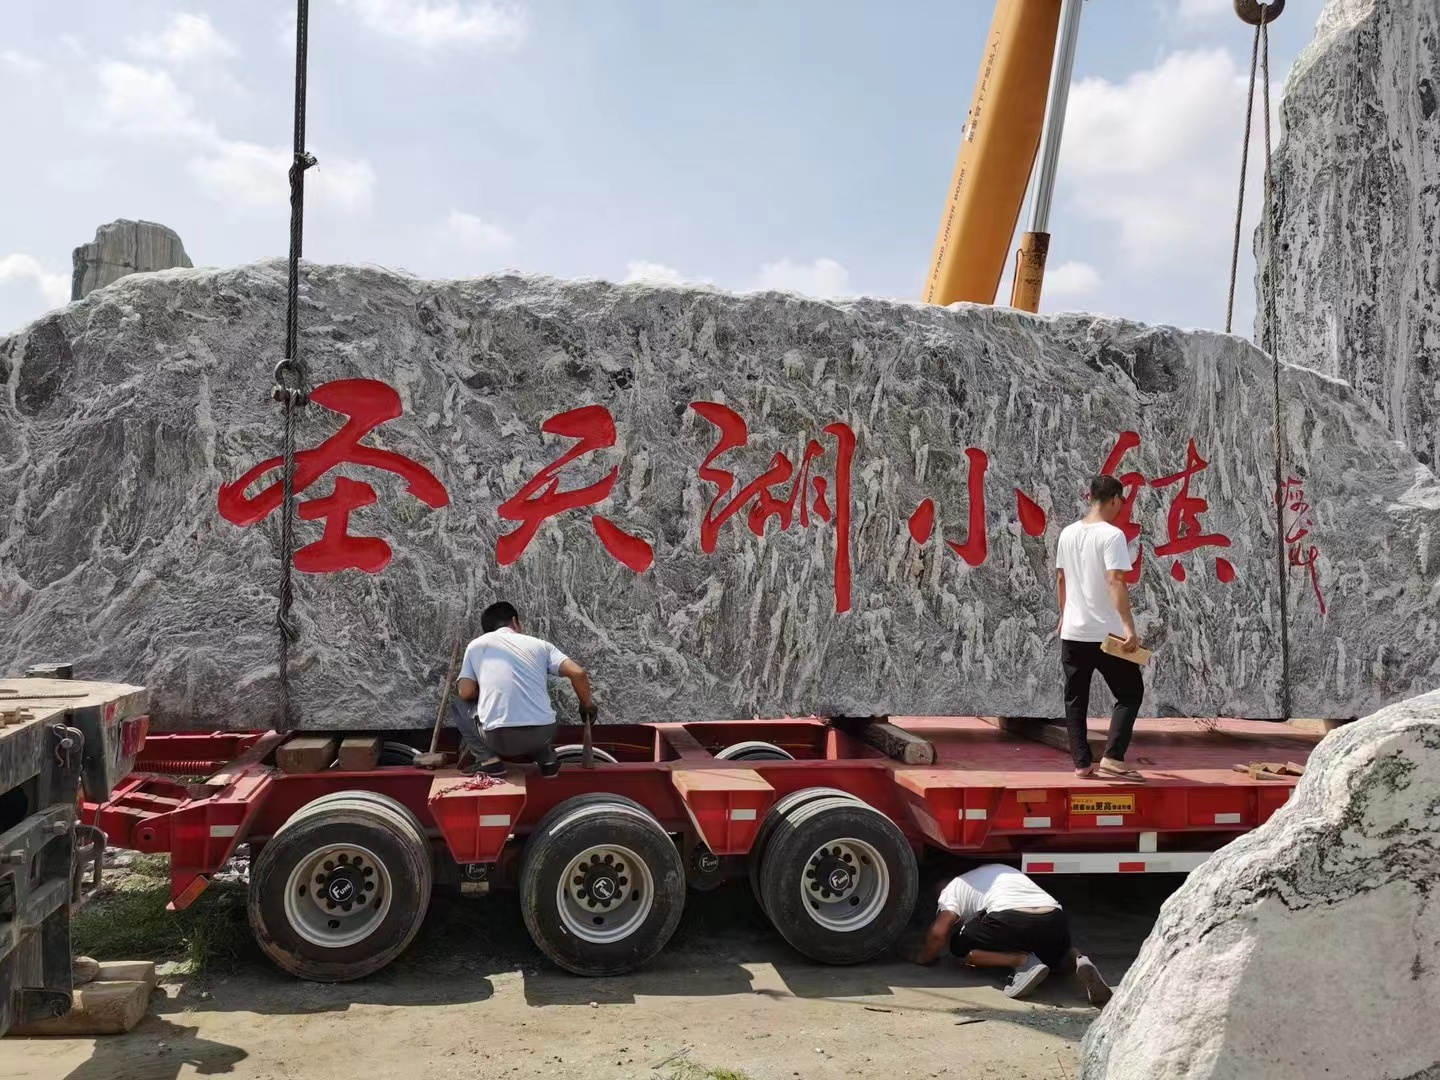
(691, 1070)
(128, 921)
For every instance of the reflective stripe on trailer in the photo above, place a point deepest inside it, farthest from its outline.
(1127, 862)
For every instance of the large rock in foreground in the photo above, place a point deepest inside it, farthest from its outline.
(923, 459)
(122, 248)
(1357, 211)
(1311, 946)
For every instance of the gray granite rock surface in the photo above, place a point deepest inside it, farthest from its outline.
(124, 415)
(1309, 947)
(125, 247)
(1357, 212)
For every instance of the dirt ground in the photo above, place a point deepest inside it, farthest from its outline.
(728, 1000)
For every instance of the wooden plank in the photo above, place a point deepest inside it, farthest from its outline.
(100, 1008)
(307, 753)
(259, 750)
(1314, 726)
(894, 742)
(129, 971)
(359, 753)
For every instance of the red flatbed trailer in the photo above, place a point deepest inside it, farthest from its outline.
(988, 794)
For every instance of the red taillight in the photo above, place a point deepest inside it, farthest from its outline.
(132, 735)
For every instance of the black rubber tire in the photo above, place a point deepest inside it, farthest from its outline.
(370, 820)
(574, 754)
(754, 750)
(397, 754)
(767, 829)
(806, 829)
(588, 821)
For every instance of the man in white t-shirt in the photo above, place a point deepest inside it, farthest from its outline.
(506, 675)
(996, 917)
(1091, 561)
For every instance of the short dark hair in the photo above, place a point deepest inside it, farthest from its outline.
(501, 613)
(1105, 488)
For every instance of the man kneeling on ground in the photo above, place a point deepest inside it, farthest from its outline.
(506, 674)
(996, 917)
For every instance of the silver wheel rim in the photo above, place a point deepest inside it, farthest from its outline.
(844, 885)
(605, 894)
(337, 895)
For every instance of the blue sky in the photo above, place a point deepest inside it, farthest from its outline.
(799, 144)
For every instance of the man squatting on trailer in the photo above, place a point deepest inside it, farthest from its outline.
(506, 675)
(1091, 561)
(996, 917)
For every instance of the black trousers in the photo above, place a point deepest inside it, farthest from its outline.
(1080, 660)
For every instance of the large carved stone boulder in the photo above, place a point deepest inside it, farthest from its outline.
(1357, 211)
(1311, 946)
(880, 540)
(125, 247)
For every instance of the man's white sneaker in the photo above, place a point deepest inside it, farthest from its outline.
(1027, 978)
(1090, 978)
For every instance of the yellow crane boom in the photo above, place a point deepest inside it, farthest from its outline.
(1017, 107)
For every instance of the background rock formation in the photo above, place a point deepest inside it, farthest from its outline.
(125, 247)
(124, 414)
(1357, 211)
(1311, 946)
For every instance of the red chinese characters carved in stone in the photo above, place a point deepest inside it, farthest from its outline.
(367, 403)
(542, 498)
(1301, 522)
(975, 547)
(1132, 482)
(1183, 521)
(806, 494)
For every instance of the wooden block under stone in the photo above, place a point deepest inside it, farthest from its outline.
(101, 1008)
(1042, 730)
(359, 753)
(307, 753)
(894, 742)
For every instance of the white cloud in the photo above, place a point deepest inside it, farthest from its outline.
(25, 65)
(823, 277)
(147, 101)
(187, 39)
(477, 235)
(252, 178)
(1074, 279)
(645, 272)
(244, 176)
(1158, 156)
(438, 23)
(27, 270)
(1198, 11)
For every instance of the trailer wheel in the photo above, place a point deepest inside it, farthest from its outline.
(341, 888)
(574, 754)
(754, 751)
(839, 880)
(776, 815)
(602, 886)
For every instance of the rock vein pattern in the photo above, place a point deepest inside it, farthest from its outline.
(974, 431)
(1311, 946)
(122, 248)
(1356, 209)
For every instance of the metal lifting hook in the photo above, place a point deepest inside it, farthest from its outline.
(1255, 13)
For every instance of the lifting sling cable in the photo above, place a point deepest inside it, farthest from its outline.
(291, 379)
(1260, 16)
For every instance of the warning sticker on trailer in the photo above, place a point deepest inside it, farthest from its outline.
(1102, 804)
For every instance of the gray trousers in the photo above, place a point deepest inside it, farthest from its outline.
(511, 743)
